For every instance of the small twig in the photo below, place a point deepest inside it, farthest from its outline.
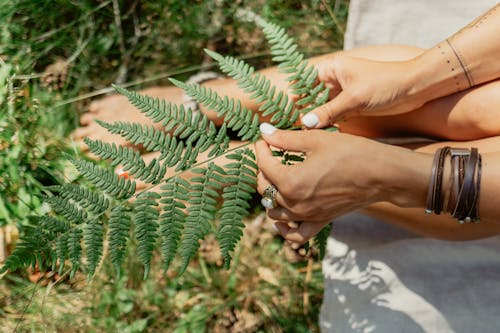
(27, 306)
(122, 71)
(84, 17)
(3, 245)
(334, 18)
(204, 269)
(47, 292)
(307, 280)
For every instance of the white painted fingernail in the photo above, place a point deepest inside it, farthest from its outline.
(275, 228)
(267, 129)
(310, 120)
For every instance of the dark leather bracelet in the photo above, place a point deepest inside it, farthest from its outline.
(438, 192)
(458, 155)
(432, 183)
(467, 190)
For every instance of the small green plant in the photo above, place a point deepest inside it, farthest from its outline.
(177, 211)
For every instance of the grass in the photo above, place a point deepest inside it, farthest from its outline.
(54, 56)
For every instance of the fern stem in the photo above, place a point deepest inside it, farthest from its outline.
(193, 166)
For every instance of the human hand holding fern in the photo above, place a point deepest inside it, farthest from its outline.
(362, 87)
(341, 173)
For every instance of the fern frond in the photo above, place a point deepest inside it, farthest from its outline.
(93, 235)
(74, 249)
(173, 196)
(68, 209)
(202, 203)
(235, 116)
(118, 232)
(52, 225)
(92, 200)
(321, 238)
(193, 128)
(138, 134)
(145, 220)
(106, 180)
(33, 248)
(275, 103)
(62, 250)
(291, 61)
(241, 175)
(221, 142)
(130, 159)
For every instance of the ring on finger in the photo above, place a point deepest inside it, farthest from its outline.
(269, 197)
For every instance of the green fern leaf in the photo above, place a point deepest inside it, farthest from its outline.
(202, 203)
(184, 124)
(174, 194)
(74, 249)
(274, 103)
(130, 159)
(105, 180)
(33, 248)
(241, 176)
(304, 76)
(92, 200)
(149, 137)
(119, 228)
(52, 225)
(145, 220)
(93, 235)
(62, 250)
(68, 209)
(321, 238)
(235, 116)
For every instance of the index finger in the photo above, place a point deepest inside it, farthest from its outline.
(268, 164)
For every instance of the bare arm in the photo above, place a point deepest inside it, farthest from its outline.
(466, 59)
(443, 226)
(377, 88)
(343, 173)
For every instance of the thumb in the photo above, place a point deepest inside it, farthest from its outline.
(327, 114)
(299, 141)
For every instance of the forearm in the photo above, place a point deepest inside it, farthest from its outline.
(466, 59)
(444, 226)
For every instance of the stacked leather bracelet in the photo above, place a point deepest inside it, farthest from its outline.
(461, 199)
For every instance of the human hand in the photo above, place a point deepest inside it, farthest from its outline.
(363, 87)
(340, 174)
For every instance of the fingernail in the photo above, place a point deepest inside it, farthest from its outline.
(310, 120)
(267, 129)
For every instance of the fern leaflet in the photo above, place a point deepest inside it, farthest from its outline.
(241, 175)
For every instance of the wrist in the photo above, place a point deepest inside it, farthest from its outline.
(403, 177)
(437, 72)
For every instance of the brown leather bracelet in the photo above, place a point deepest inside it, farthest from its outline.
(473, 213)
(467, 190)
(432, 183)
(438, 193)
(458, 156)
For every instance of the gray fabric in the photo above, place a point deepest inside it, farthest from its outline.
(422, 23)
(379, 278)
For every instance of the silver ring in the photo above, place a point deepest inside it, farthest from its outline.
(269, 197)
